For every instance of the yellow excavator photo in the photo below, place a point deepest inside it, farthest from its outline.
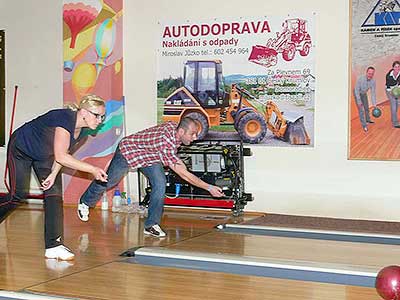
(203, 98)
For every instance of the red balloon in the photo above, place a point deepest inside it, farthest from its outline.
(387, 283)
(79, 13)
(76, 21)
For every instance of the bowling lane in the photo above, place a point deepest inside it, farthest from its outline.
(366, 256)
(122, 281)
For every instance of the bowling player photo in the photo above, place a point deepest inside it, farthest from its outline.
(374, 84)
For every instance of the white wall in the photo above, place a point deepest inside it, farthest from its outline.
(319, 181)
(33, 60)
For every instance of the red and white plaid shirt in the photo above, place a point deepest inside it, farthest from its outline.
(156, 144)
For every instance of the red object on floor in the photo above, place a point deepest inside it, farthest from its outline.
(228, 203)
(387, 283)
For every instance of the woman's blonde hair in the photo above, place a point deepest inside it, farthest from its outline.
(87, 101)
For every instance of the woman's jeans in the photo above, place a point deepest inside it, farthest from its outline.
(20, 165)
(393, 108)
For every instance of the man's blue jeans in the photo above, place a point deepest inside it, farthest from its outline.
(117, 169)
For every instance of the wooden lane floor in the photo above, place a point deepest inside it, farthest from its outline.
(371, 257)
(94, 243)
(99, 273)
(122, 281)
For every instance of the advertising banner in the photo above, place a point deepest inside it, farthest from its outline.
(247, 78)
(374, 125)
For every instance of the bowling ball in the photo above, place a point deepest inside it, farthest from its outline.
(376, 112)
(396, 91)
(387, 283)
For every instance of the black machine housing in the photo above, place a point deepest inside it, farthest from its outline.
(216, 162)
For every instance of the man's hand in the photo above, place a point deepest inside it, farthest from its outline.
(99, 174)
(180, 169)
(215, 191)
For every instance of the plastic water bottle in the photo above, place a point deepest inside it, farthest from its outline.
(104, 202)
(124, 200)
(129, 205)
(124, 204)
(116, 203)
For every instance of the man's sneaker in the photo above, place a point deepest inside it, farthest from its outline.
(59, 252)
(83, 212)
(155, 230)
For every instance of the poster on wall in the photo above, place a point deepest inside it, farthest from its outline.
(93, 61)
(374, 124)
(249, 79)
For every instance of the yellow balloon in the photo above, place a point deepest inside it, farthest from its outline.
(117, 67)
(83, 79)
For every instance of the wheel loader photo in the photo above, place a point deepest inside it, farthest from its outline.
(293, 37)
(203, 98)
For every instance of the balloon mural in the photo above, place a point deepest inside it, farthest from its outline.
(117, 67)
(93, 64)
(105, 40)
(79, 13)
(83, 80)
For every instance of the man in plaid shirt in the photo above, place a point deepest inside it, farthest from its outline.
(149, 150)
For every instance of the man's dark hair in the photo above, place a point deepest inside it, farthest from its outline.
(185, 123)
(396, 62)
(370, 68)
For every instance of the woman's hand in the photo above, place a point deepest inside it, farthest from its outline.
(99, 174)
(48, 182)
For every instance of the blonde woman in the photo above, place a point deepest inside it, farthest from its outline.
(44, 144)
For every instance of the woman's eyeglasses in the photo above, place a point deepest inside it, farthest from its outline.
(98, 116)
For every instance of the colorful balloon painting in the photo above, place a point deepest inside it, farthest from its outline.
(83, 79)
(79, 13)
(93, 64)
(105, 40)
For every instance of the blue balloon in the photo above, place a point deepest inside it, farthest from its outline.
(68, 65)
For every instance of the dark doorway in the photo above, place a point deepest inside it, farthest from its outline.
(2, 90)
